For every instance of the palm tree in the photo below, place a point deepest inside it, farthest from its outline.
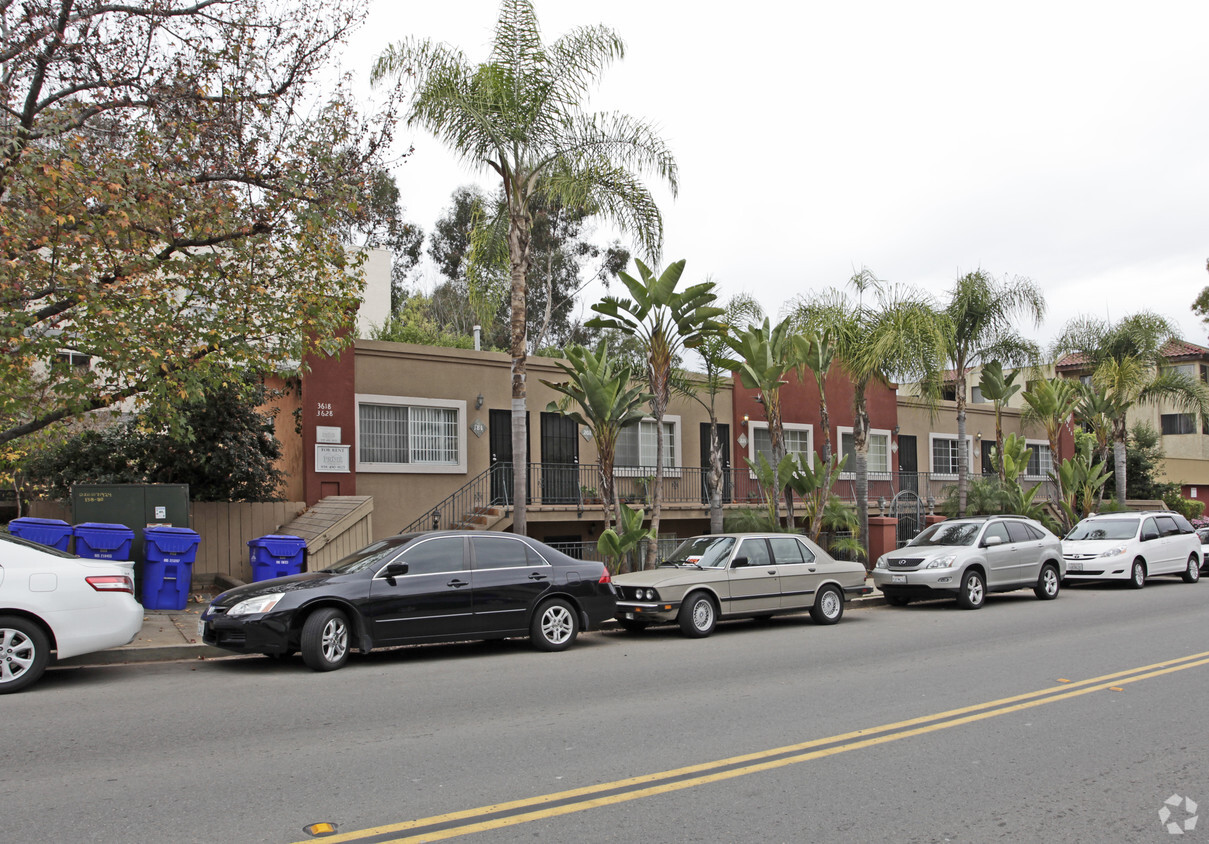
(999, 388)
(886, 331)
(982, 314)
(1096, 412)
(665, 322)
(600, 387)
(520, 115)
(815, 351)
(765, 358)
(713, 350)
(1128, 366)
(1051, 402)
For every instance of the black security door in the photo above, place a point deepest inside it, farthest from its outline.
(724, 437)
(560, 459)
(500, 440)
(988, 462)
(908, 465)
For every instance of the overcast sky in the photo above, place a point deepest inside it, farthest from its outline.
(1062, 141)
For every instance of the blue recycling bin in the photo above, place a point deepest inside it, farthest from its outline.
(53, 532)
(168, 568)
(103, 541)
(276, 555)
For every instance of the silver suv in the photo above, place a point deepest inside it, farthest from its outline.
(968, 558)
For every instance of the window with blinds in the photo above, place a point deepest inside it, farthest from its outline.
(636, 444)
(408, 434)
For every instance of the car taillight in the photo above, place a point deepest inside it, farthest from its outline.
(111, 583)
(606, 577)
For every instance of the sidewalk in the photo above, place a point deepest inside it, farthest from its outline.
(172, 634)
(166, 635)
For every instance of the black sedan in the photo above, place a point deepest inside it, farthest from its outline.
(419, 587)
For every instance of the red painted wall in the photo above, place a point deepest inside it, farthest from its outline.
(329, 400)
(800, 404)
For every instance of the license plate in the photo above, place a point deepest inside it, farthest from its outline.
(898, 578)
(1074, 567)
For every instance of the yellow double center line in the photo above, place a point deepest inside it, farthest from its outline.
(498, 815)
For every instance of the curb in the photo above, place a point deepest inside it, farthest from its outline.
(172, 653)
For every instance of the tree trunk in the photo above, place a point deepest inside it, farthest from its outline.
(860, 442)
(776, 434)
(963, 462)
(999, 442)
(519, 230)
(1118, 453)
(714, 481)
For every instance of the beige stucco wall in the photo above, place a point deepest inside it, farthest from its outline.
(917, 419)
(461, 375)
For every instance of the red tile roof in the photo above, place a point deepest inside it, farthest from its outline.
(1175, 350)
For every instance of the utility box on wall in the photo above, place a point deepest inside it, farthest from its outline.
(134, 505)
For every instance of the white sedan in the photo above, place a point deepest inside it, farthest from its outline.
(51, 601)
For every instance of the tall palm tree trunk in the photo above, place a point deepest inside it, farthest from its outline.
(518, 249)
(860, 443)
(963, 460)
(715, 478)
(1118, 454)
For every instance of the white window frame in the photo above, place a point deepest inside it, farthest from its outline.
(932, 471)
(672, 471)
(753, 425)
(1033, 444)
(412, 468)
(850, 470)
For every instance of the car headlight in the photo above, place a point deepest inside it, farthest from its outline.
(261, 603)
(881, 563)
(1113, 552)
(645, 595)
(941, 562)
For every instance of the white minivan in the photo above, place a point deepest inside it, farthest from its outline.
(1132, 547)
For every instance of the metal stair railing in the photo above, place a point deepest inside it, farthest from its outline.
(490, 488)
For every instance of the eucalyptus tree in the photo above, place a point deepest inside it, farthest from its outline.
(1128, 366)
(740, 309)
(999, 387)
(886, 331)
(1051, 402)
(982, 313)
(520, 115)
(765, 357)
(664, 321)
(598, 395)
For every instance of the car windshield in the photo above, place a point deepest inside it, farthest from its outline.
(948, 533)
(708, 552)
(371, 556)
(1104, 529)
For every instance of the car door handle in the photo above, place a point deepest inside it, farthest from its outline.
(457, 584)
(537, 576)
(811, 568)
(772, 571)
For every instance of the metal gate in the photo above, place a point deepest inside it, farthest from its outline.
(909, 510)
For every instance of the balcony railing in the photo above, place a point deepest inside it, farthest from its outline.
(555, 485)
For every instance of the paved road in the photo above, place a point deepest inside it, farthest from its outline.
(791, 732)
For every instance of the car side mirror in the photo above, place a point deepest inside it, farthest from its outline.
(1149, 535)
(992, 540)
(738, 562)
(394, 570)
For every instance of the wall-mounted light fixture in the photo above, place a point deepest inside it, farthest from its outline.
(744, 420)
(478, 401)
(978, 436)
(896, 430)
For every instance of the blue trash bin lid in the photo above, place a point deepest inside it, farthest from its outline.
(278, 544)
(35, 522)
(102, 527)
(172, 540)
